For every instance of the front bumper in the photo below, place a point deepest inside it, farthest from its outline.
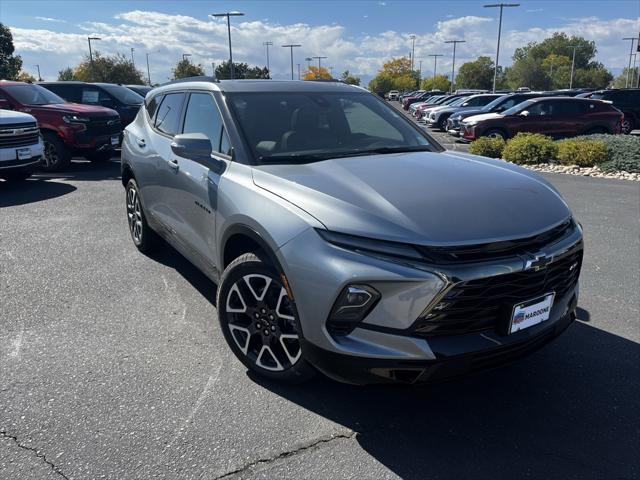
(386, 339)
(9, 157)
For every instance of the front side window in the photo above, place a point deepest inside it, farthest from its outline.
(202, 116)
(309, 126)
(168, 115)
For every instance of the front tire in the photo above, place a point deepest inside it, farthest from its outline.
(56, 155)
(144, 238)
(495, 133)
(260, 322)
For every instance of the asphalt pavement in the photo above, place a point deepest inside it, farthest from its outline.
(112, 365)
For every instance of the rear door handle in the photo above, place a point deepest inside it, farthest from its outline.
(174, 164)
(141, 142)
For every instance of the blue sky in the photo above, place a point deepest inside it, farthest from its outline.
(357, 34)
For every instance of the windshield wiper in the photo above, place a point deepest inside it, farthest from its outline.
(315, 157)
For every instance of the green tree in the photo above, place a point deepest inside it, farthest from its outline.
(441, 82)
(477, 74)
(10, 64)
(241, 71)
(625, 79)
(381, 84)
(66, 74)
(111, 69)
(349, 79)
(185, 68)
(547, 64)
(395, 74)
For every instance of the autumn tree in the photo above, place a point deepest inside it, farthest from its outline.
(396, 74)
(104, 68)
(25, 77)
(10, 64)
(185, 68)
(440, 82)
(315, 73)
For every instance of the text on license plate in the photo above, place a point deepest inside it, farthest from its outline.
(23, 153)
(531, 313)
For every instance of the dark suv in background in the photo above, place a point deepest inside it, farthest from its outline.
(118, 97)
(626, 100)
(67, 128)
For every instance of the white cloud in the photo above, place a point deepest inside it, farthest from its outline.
(168, 36)
(49, 19)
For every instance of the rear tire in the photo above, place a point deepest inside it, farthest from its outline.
(495, 133)
(260, 322)
(144, 238)
(56, 156)
(627, 126)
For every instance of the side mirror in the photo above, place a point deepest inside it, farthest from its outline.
(5, 105)
(194, 146)
(524, 113)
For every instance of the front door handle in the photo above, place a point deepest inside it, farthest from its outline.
(174, 164)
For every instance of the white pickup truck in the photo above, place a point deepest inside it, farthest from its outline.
(20, 145)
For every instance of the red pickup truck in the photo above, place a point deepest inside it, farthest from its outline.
(67, 128)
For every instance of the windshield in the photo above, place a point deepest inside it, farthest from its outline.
(311, 126)
(493, 104)
(518, 108)
(123, 94)
(32, 94)
(457, 101)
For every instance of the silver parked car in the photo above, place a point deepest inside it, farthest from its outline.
(342, 237)
(21, 145)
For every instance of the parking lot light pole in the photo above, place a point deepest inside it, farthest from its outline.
(413, 50)
(39, 77)
(148, 71)
(229, 15)
(573, 64)
(291, 46)
(453, 65)
(298, 71)
(267, 44)
(633, 39)
(93, 71)
(319, 65)
(435, 66)
(501, 6)
(133, 62)
(185, 55)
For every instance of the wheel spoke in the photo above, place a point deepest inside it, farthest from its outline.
(267, 282)
(235, 329)
(288, 336)
(235, 290)
(266, 350)
(283, 294)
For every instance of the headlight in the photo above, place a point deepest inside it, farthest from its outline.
(368, 245)
(75, 119)
(470, 124)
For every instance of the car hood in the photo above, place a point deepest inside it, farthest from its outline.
(91, 110)
(428, 198)
(11, 116)
(482, 117)
(468, 111)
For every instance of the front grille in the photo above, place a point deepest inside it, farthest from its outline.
(486, 303)
(497, 250)
(19, 134)
(104, 126)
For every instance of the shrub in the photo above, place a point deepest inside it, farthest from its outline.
(623, 152)
(488, 147)
(582, 152)
(530, 148)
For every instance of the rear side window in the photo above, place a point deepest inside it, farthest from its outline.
(152, 106)
(168, 116)
(94, 96)
(570, 108)
(202, 116)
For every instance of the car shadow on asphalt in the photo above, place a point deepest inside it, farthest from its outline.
(568, 411)
(169, 256)
(85, 171)
(31, 191)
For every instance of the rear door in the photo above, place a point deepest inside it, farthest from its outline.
(196, 182)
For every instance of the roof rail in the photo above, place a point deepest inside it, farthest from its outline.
(201, 78)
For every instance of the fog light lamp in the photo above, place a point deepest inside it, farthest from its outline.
(353, 304)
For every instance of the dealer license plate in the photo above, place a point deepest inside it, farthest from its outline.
(23, 153)
(531, 312)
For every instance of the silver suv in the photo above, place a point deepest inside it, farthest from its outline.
(342, 237)
(20, 145)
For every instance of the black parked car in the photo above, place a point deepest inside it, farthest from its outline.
(120, 98)
(141, 90)
(627, 100)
